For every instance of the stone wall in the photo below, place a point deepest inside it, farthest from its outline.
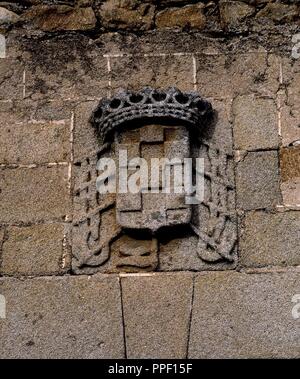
(100, 16)
(61, 58)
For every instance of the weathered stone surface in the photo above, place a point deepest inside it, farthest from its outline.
(189, 16)
(289, 102)
(290, 126)
(149, 210)
(36, 250)
(11, 6)
(29, 112)
(98, 248)
(238, 74)
(31, 194)
(53, 111)
(69, 66)
(62, 318)
(290, 163)
(270, 239)
(245, 316)
(7, 17)
(2, 233)
(219, 133)
(257, 180)
(49, 75)
(94, 219)
(15, 112)
(291, 192)
(35, 143)
(86, 140)
(134, 106)
(122, 14)
(255, 123)
(290, 175)
(178, 252)
(11, 79)
(174, 2)
(279, 12)
(61, 17)
(156, 312)
(233, 12)
(157, 72)
(137, 15)
(132, 255)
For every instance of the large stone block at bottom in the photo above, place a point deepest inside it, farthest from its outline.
(239, 315)
(62, 318)
(156, 313)
(270, 239)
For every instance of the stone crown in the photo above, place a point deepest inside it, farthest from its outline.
(171, 104)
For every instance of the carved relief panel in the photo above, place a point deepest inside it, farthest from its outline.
(138, 231)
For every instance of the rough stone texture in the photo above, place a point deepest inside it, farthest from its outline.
(270, 239)
(94, 221)
(36, 250)
(2, 235)
(148, 210)
(86, 140)
(31, 194)
(158, 315)
(27, 112)
(157, 72)
(257, 180)
(62, 318)
(151, 103)
(179, 251)
(133, 255)
(52, 111)
(99, 248)
(289, 101)
(34, 143)
(83, 75)
(233, 12)
(220, 132)
(61, 17)
(63, 57)
(290, 163)
(280, 12)
(245, 316)
(11, 79)
(255, 123)
(190, 16)
(122, 14)
(291, 192)
(7, 17)
(290, 175)
(290, 127)
(135, 15)
(238, 74)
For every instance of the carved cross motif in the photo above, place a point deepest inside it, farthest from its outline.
(123, 230)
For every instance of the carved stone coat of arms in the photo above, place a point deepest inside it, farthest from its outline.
(140, 231)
